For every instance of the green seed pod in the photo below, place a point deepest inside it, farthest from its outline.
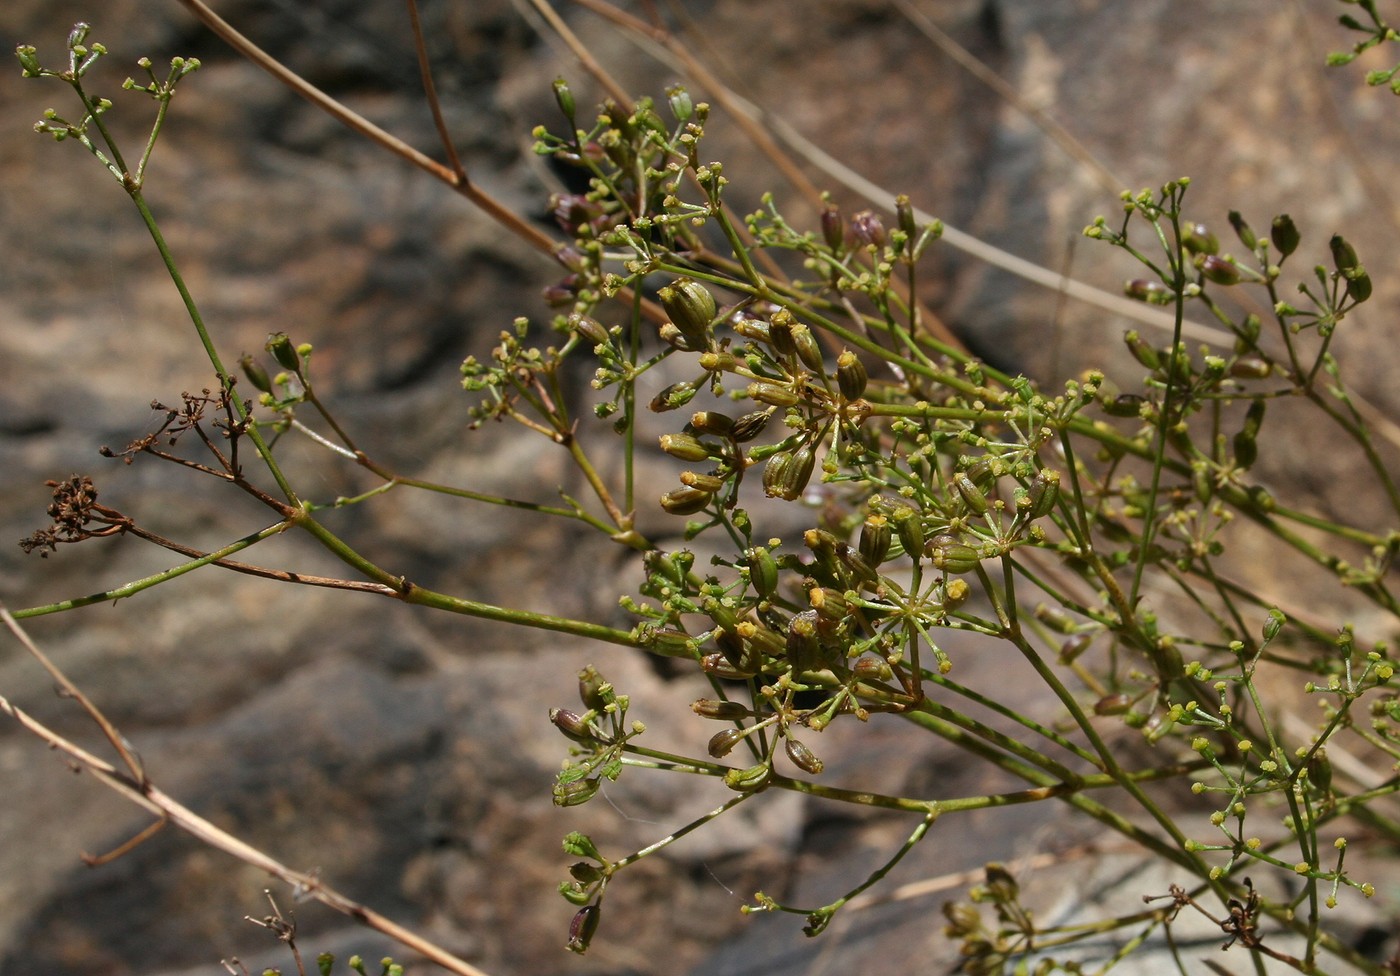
(1343, 254)
(910, 530)
(1246, 441)
(1142, 352)
(749, 426)
(711, 422)
(574, 794)
(952, 556)
(1274, 624)
(742, 657)
(29, 63)
(780, 330)
(904, 217)
(876, 536)
(674, 396)
(704, 482)
(786, 474)
(763, 571)
(1073, 647)
(1123, 405)
(1284, 234)
(1055, 618)
(283, 351)
(851, 375)
(582, 928)
(971, 495)
(585, 873)
(1044, 493)
(1217, 269)
(716, 664)
(1262, 499)
(870, 669)
(773, 394)
(1320, 770)
(691, 307)
(808, 350)
(1199, 240)
(1358, 285)
(803, 644)
(762, 641)
(749, 780)
(1246, 235)
(256, 374)
(594, 690)
(572, 724)
(685, 501)
(802, 757)
(1113, 704)
(722, 743)
(726, 711)
(829, 603)
(686, 447)
(682, 107)
(755, 330)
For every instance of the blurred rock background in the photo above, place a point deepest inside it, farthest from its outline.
(406, 754)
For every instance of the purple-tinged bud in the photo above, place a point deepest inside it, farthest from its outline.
(802, 757)
(1199, 240)
(691, 307)
(867, 228)
(833, 230)
(1113, 704)
(574, 213)
(1151, 292)
(594, 690)
(1242, 230)
(725, 711)
(1217, 269)
(572, 724)
(722, 743)
(589, 329)
(1073, 647)
(685, 501)
(582, 928)
(562, 293)
(716, 664)
(786, 474)
(851, 375)
(1250, 368)
(673, 397)
(283, 351)
(686, 447)
(870, 669)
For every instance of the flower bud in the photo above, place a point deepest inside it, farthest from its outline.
(722, 743)
(786, 474)
(1274, 624)
(851, 375)
(282, 350)
(576, 793)
(780, 331)
(952, 556)
(803, 645)
(749, 780)
(589, 329)
(910, 530)
(955, 594)
(808, 350)
(1284, 234)
(585, 873)
(971, 495)
(703, 482)
(1246, 235)
(691, 307)
(829, 603)
(868, 229)
(685, 501)
(682, 107)
(718, 665)
(1044, 493)
(674, 396)
(1142, 352)
(802, 757)
(725, 711)
(1358, 284)
(685, 447)
(1217, 269)
(1250, 368)
(582, 928)
(1113, 704)
(1151, 292)
(904, 218)
(1199, 240)
(875, 538)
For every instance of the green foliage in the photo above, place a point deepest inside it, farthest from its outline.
(938, 497)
